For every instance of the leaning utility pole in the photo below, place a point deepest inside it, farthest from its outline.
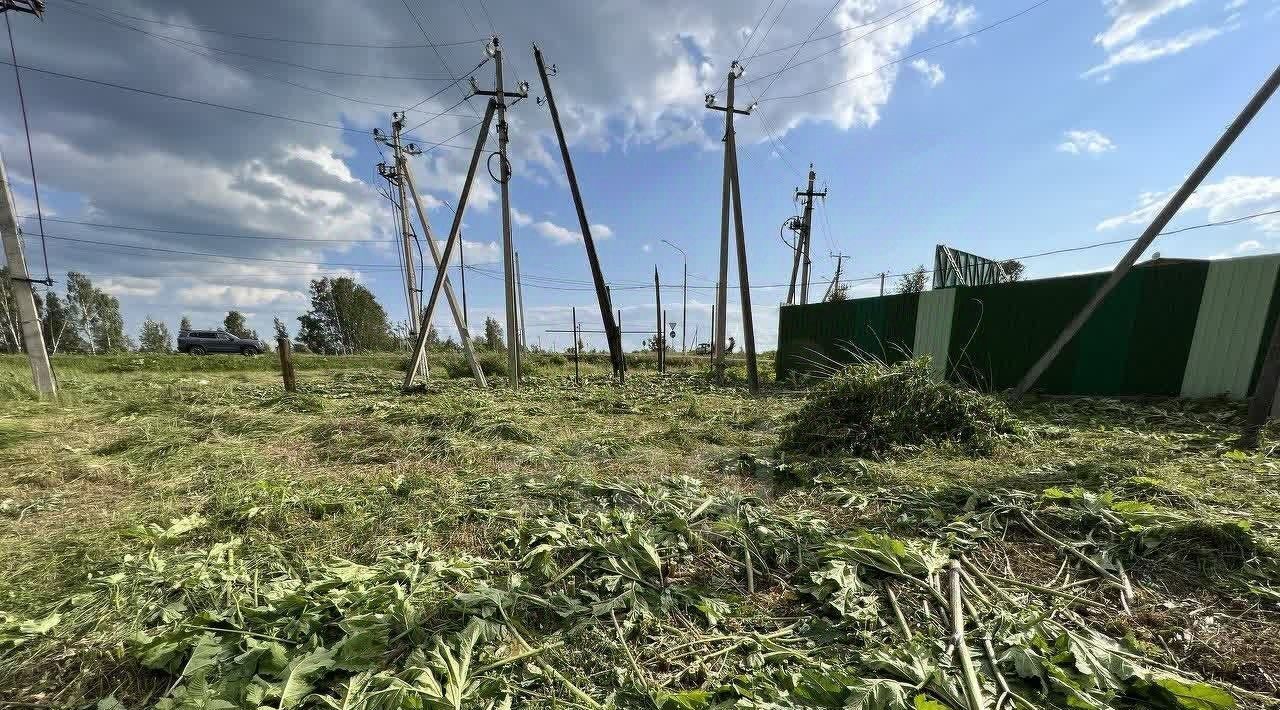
(835, 281)
(1153, 230)
(732, 196)
(442, 262)
(613, 335)
(806, 227)
(32, 337)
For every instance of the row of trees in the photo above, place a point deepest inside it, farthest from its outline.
(83, 319)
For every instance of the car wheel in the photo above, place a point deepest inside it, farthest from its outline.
(196, 350)
(249, 351)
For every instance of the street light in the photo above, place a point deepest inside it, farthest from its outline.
(684, 306)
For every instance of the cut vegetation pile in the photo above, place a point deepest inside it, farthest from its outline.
(871, 409)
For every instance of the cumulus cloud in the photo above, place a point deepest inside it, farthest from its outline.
(1232, 197)
(1076, 142)
(932, 73)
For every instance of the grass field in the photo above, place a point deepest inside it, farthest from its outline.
(179, 532)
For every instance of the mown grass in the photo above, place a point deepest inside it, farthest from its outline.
(352, 469)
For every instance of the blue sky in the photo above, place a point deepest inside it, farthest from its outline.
(1064, 126)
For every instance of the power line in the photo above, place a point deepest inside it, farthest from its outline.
(443, 89)
(31, 158)
(816, 25)
(277, 39)
(193, 49)
(752, 34)
(219, 235)
(788, 67)
(219, 256)
(837, 33)
(259, 57)
(913, 55)
(435, 48)
(209, 104)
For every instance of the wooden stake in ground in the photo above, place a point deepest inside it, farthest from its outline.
(285, 349)
(32, 337)
(1264, 394)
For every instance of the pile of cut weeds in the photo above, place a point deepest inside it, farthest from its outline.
(872, 409)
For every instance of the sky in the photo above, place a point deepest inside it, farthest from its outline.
(999, 127)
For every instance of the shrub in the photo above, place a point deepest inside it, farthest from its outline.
(870, 408)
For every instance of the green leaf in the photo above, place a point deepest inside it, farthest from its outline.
(1171, 692)
(37, 627)
(300, 673)
(924, 702)
(684, 700)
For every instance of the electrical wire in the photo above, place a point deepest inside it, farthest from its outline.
(31, 158)
(816, 25)
(131, 228)
(277, 39)
(913, 55)
(752, 35)
(435, 48)
(788, 67)
(210, 104)
(219, 256)
(837, 33)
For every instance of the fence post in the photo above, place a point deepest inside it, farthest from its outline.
(286, 364)
(1264, 394)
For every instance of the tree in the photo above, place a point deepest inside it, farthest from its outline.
(839, 292)
(493, 335)
(914, 281)
(153, 337)
(96, 315)
(184, 324)
(236, 325)
(282, 331)
(1013, 269)
(59, 331)
(10, 323)
(345, 317)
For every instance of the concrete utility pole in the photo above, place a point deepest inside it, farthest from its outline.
(1153, 230)
(657, 295)
(732, 196)
(806, 231)
(499, 96)
(442, 267)
(684, 299)
(524, 342)
(835, 281)
(613, 335)
(20, 282)
(394, 176)
(442, 262)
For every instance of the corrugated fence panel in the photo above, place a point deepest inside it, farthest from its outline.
(933, 327)
(1164, 326)
(1000, 330)
(1233, 314)
(838, 332)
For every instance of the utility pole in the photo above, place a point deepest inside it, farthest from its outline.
(732, 196)
(32, 337)
(20, 279)
(462, 274)
(835, 281)
(612, 328)
(393, 175)
(684, 298)
(1153, 230)
(882, 275)
(806, 231)
(657, 295)
(524, 343)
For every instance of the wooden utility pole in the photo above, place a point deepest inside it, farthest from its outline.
(285, 349)
(613, 335)
(394, 176)
(882, 275)
(1153, 230)
(21, 285)
(684, 298)
(577, 371)
(806, 232)
(835, 281)
(732, 197)
(442, 270)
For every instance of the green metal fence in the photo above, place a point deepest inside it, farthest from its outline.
(1171, 327)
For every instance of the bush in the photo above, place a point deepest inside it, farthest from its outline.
(870, 408)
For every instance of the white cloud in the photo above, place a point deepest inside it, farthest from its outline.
(1077, 142)
(1242, 248)
(521, 219)
(932, 73)
(1129, 17)
(1229, 198)
(131, 286)
(962, 17)
(646, 247)
(1235, 5)
(1143, 51)
(564, 235)
(240, 296)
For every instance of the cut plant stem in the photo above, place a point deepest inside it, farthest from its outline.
(903, 628)
(972, 688)
(1102, 571)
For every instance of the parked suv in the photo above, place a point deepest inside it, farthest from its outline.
(200, 342)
